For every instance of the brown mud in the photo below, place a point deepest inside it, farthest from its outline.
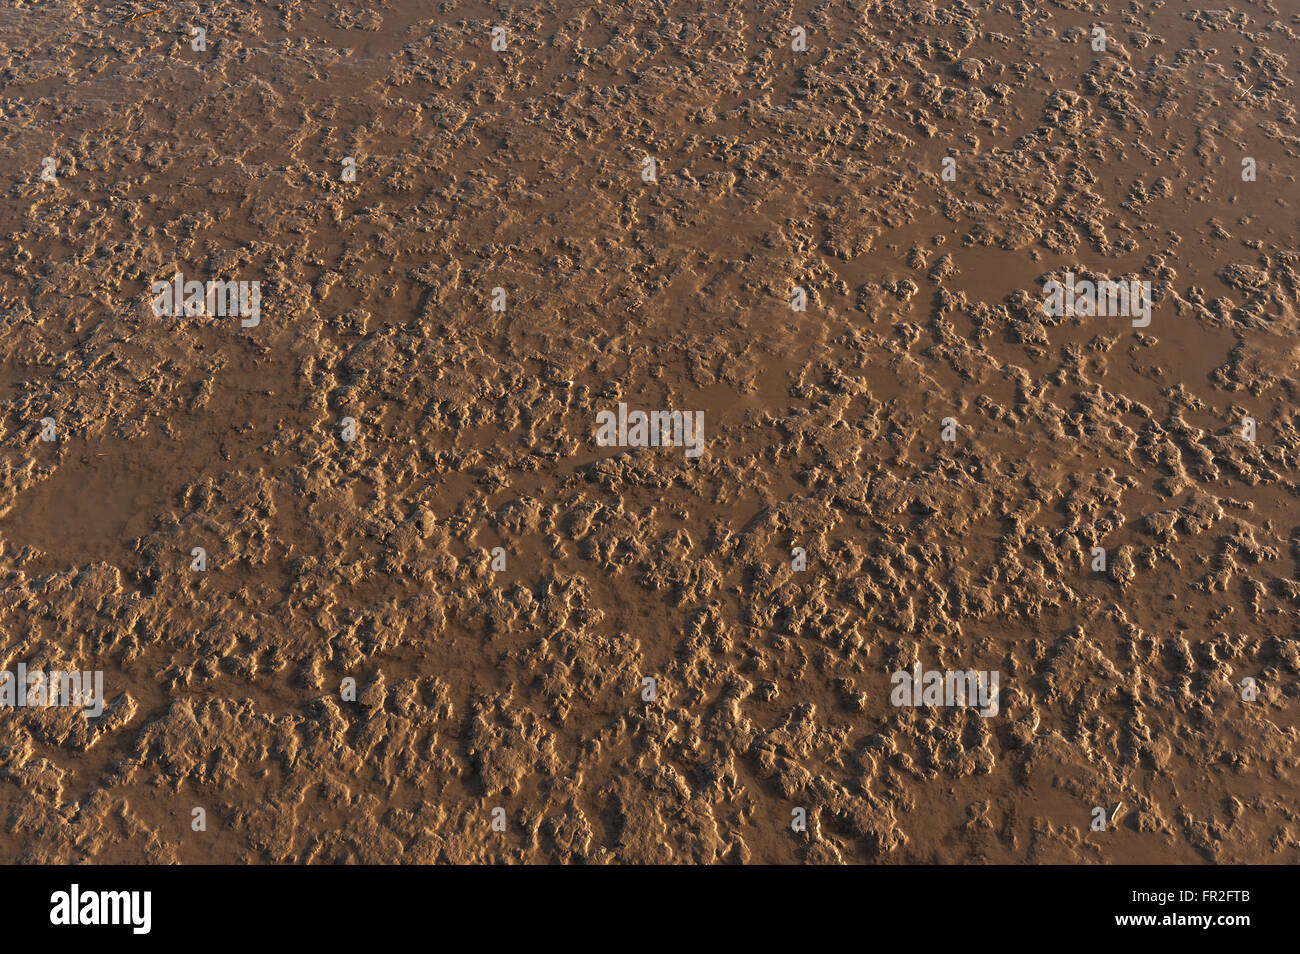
(521, 169)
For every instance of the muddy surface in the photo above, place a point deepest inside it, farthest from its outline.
(496, 274)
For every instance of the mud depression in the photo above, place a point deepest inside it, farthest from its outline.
(959, 521)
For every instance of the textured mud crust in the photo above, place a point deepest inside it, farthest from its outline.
(650, 187)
